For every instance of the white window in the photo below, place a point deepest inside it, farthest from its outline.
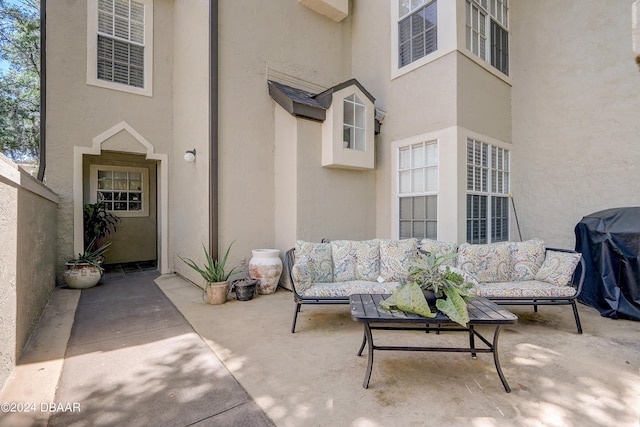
(487, 34)
(417, 30)
(119, 44)
(417, 180)
(487, 193)
(123, 190)
(354, 123)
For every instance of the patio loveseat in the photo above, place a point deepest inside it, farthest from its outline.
(508, 273)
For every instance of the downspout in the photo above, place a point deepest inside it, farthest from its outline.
(43, 90)
(213, 128)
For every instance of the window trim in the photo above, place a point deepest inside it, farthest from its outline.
(92, 51)
(93, 187)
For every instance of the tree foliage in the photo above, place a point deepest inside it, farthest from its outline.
(20, 80)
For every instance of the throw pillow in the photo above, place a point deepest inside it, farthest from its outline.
(396, 257)
(526, 259)
(558, 267)
(487, 263)
(315, 258)
(355, 260)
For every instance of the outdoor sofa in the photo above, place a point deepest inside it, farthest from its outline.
(508, 273)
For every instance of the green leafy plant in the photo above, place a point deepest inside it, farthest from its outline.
(94, 257)
(214, 270)
(451, 292)
(98, 222)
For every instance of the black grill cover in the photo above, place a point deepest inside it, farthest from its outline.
(610, 244)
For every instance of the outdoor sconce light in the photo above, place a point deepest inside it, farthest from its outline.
(190, 156)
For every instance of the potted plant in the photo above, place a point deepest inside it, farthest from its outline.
(431, 282)
(245, 288)
(215, 274)
(85, 271)
(98, 223)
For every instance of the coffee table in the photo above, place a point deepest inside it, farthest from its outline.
(365, 308)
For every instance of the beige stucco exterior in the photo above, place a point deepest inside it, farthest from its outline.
(576, 109)
(27, 258)
(567, 112)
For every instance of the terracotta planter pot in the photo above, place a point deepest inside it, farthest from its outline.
(266, 266)
(217, 292)
(82, 276)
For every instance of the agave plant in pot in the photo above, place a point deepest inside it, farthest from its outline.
(215, 274)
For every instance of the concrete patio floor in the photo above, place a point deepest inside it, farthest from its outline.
(314, 378)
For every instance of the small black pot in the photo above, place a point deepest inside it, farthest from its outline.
(430, 296)
(245, 289)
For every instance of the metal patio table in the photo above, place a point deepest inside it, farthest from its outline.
(365, 308)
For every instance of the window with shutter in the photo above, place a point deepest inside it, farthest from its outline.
(487, 193)
(121, 56)
(417, 30)
(487, 32)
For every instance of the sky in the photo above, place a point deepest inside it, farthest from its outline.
(4, 66)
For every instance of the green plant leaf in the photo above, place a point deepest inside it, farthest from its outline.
(454, 306)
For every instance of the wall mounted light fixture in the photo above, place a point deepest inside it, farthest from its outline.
(190, 156)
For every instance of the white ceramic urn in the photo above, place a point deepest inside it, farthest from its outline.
(266, 266)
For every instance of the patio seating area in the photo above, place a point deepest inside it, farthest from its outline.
(314, 377)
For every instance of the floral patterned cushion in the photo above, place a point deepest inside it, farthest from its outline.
(523, 289)
(355, 260)
(313, 264)
(344, 289)
(558, 267)
(396, 257)
(438, 248)
(526, 259)
(487, 263)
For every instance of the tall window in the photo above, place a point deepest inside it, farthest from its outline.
(417, 30)
(121, 42)
(354, 123)
(418, 190)
(487, 23)
(487, 193)
(121, 55)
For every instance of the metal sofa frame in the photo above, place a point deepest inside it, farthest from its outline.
(576, 281)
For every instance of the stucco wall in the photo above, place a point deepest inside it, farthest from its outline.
(576, 114)
(287, 37)
(78, 112)
(189, 182)
(27, 258)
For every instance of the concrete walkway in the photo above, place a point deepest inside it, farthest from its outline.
(131, 359)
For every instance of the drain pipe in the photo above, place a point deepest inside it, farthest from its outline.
(213, 128)
(43, 91)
